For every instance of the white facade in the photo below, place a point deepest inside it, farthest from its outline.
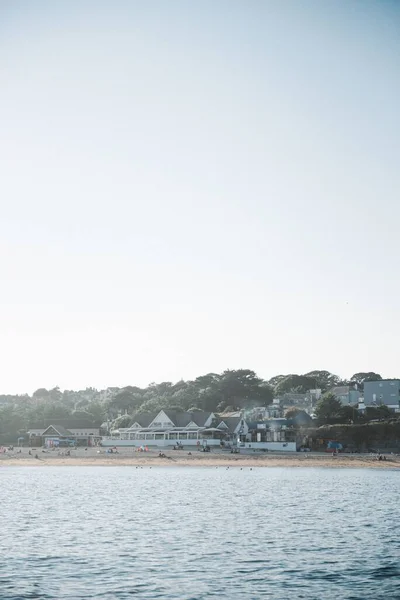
(162, 431)
(270, 446)
(108, 441)
(77, 432)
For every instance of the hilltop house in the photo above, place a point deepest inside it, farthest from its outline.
(166, 428)
(260, 413)
(385, 391)
(346, 394)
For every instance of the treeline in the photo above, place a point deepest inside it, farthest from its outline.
(230, 390)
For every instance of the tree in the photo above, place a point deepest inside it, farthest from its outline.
(125, 401)
(348, 414)
(328, 409)
(97, 412)
(242, 388)
(265, 394)
(361, 378)
(40, 394)
(82, 414)
(323, 380)
(273, 382)
(55, 410)
(55, 394)
(292, 412)
(381, 412)
(294, 383)
(122, 421)
(11, 424)
(210, 380)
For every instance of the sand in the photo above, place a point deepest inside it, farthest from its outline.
(216, 458)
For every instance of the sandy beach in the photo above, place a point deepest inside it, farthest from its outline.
(130, 457)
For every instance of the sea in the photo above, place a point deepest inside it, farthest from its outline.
(199, 532)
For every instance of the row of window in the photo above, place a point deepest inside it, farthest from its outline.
(160, 436)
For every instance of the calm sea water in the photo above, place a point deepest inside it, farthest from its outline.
(199, 533)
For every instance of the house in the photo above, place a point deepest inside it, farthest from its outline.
(234, 426)
(386, 391)
(260, 413)
(347, 394)
(82, 432)
(272, 434)
(167, 428)
(306, 401)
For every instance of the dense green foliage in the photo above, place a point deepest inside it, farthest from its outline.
(212, 392)
(230, 390)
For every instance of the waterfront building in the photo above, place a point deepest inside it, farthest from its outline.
(168, 428)
(82, 432)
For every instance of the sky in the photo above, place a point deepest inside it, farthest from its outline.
(188, 187)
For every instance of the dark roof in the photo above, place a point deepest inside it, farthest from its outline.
(60, 430)
(200, 418)
(230, 422)
(340, 390)
(179, 419)
(67, 423)
(144, 419)
(182, 419)
(253, 424)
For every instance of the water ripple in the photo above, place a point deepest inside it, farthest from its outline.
(194, 534)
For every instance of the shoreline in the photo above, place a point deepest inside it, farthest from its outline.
(82, 458)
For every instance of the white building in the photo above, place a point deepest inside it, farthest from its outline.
(167, 428)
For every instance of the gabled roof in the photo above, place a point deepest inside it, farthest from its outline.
(58, 429)
(200, 418)
(144, 419)
(230, 422)
(179, 419)
(182, 419)
(340, 390)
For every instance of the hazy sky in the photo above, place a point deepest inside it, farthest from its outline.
(193, 186)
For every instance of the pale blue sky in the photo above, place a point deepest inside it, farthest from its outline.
(193, 186)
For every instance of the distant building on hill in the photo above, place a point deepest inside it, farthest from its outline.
(260, 413)
(346, 394)
(386, 391)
